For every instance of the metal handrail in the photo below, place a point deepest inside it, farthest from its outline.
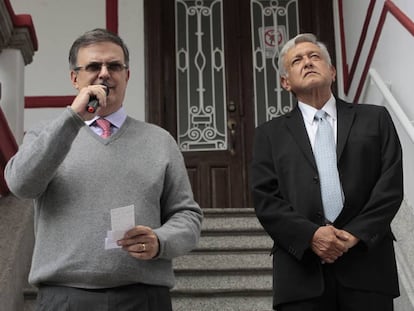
(393, 103)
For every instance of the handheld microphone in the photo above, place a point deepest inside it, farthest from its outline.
(93, 101)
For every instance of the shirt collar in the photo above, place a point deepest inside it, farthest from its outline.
(117, 118)
(308, 111)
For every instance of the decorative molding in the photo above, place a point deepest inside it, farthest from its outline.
(6, 26)
(20, 40)
(17, 31)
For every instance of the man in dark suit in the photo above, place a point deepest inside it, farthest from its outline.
(346, 263)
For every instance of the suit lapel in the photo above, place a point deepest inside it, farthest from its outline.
(346, 116)
(296, 127)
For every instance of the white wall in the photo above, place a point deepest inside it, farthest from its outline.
(58, 23)
(395, 63)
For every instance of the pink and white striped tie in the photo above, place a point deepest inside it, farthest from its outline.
(105, 125)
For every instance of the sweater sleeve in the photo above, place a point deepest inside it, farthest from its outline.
(30, 170)
(181, 215)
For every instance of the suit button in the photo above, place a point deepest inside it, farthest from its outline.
(316, 179)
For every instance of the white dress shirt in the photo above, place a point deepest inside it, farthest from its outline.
(308, 113)
(117, 119)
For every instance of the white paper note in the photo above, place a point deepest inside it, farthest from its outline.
(115, 235)
(110, 244)
(122, 220)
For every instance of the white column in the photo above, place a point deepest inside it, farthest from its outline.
(12, 90)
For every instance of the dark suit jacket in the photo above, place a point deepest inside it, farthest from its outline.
(287, 200)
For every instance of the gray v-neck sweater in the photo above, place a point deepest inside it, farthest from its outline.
(76, 177)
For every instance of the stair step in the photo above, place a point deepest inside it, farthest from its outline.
(231, 221)
(235, 242)
(223, 262)
(219, 283)
(220, 302)
(242, 223)
(227, 212)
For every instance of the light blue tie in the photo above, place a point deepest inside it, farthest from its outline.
(325, 155)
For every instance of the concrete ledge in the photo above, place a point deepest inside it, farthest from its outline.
(16, 246)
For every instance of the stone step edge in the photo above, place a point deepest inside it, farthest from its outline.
(236, 212)
(236, 251)
(211, 293)
(232, 250)
(233, 231)
(221, 271)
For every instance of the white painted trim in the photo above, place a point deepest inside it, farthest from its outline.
(392, 102)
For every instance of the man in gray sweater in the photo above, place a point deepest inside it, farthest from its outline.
(113, 206)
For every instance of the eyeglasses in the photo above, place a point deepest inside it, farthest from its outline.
(95, 67)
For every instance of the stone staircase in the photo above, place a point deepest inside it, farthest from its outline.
(231, 269)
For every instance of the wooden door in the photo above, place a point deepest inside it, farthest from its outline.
(214, 122)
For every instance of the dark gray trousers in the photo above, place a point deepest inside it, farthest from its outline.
(339, 298)
(138, 297)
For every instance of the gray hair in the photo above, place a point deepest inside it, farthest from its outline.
(304, 37)
(97, 35)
